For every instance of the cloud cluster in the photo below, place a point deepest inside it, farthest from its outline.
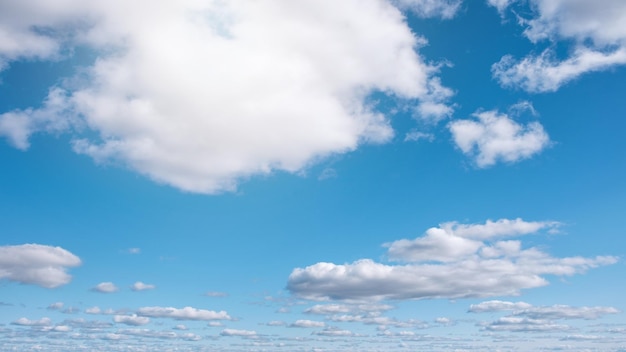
(525, 317)
(199, 95)
(451, 261)
(494, 136)
(37, 264)
(595, 28)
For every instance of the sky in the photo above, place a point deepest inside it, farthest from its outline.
(312, 175)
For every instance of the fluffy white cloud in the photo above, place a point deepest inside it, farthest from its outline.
(37, 264)
(133, 320)
(440, 270)
(452, 240)
(517, 324)
(105, 287)
(239, 333)
(305, 323)
(493, 137)
(28, 322)
(335, 332)
(199, 95)
(140, 286)
(596, 29)
(186, 313)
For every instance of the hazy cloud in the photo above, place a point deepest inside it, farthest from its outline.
(140, 286)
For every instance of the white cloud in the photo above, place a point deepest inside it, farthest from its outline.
(186, 313)
(28, 322)
(202, 95)
(545, 73)
(140, 286)
(334, 332)
(216, 294)
(133, 320)
(105, 287)
(431, 8)
(93, 310)
(37, 264)
(304, 323)
(516, 324)
(497, 306)
(414, 136)
(440, 270)
(56, 306)
(239, 333)
(595, 28)
(452, 240)
(493, 137)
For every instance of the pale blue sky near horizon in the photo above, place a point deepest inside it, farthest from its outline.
(315, 221)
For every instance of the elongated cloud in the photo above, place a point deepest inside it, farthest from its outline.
(105, 287)
(186, 313)
(37, 264)
(444, 264)
(596, 29)
(200, 95)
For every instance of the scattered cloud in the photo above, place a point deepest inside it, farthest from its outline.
(543, 312)
(304, 323)
(239, 333)
(438, 269)
(140, 286)
(492, 137)
(216, 294)
(431, 8)
(517, 324)
(133, 250)
(56, 306)
(327, 173)
(28, 322)
(133, 320)
(597, 34)
(37, 264)
(335, 332)
(271, 98)
(186, 313)
(414, 136)
(105, 287)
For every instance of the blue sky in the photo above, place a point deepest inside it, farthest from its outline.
(376, 175)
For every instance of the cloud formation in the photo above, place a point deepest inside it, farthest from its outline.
(140, 286)
(202, 95)
(493, 137)
(105, 287)
(444, 264)
(37, 264)
(186, 313)
(595, 28)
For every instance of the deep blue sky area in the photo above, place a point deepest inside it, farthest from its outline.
(260, 177)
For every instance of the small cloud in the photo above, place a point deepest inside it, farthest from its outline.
(134, 250)
(216, 294)
(187, 313)
(133, 320)
(28, 322)
(307, 324)
(140, 286)
(276, 323)
(181, 327)
(327, 173)
(239, 333)
(55, 306)
(414, 136)
(93, 310)
(105, 287)
(493, 137)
